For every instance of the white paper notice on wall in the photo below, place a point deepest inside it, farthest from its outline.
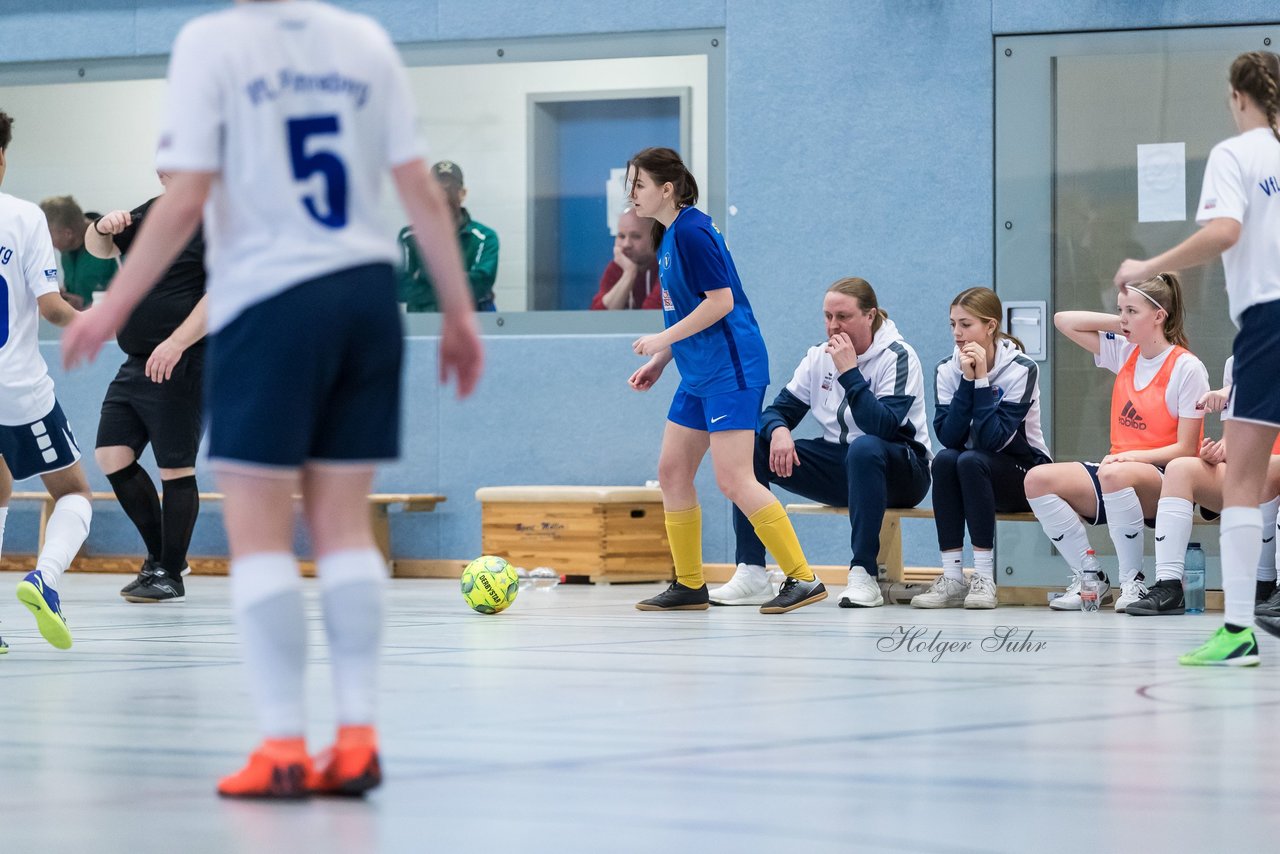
(615, 195)
(1162, 182)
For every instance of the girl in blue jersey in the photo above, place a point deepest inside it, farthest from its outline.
(712, 334)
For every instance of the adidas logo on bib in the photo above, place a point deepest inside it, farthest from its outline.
(1129, 417)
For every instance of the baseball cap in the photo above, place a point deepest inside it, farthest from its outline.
(448, 169)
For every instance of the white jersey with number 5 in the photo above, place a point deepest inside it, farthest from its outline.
(28, 271)
(301, 109)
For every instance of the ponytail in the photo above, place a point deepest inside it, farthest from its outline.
(665, 167)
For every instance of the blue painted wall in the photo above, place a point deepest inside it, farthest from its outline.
(859, 142)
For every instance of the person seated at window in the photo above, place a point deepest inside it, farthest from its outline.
(82, 272)
(477, 242)
(631, 279)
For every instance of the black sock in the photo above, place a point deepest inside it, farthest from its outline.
(137, 495)
(181, 506)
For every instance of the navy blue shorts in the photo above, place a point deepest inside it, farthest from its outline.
(311, 374)
(1254, 394)
(1101, 518)
(735, 410)
(40, 447)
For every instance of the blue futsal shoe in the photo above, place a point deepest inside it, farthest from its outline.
(43, 603)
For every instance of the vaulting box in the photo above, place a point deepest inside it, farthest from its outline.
(607, 533)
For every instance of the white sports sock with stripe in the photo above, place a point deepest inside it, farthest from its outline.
(1266, 562)
(1063, 527)
(1173, 532)
(1125, 523)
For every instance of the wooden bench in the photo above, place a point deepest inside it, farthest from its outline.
(890, 556)
(379, 509)
(606, 533)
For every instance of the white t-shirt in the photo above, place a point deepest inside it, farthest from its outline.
(28, 270)
(1189, 382)
(1242, 182)
(301, 109)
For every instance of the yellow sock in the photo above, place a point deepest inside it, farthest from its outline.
(773, 527)
(684, 534)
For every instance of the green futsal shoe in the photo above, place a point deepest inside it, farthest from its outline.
(1225, 649)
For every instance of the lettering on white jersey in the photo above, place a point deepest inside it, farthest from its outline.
(287, 80)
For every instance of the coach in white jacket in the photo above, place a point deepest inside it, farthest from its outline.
(865, 386)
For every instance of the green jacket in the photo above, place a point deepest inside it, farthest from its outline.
(478, 245)
(83, 273)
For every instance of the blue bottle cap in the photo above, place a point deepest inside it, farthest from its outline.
(1193, 545)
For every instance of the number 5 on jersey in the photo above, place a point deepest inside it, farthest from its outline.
(327, 163)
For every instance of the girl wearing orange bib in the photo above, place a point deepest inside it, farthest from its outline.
(1154, 419)
(1201, 480)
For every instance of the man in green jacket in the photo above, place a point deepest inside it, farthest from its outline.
(83, 274)
(478, 244)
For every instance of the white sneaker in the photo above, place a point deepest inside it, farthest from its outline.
(1130, 592)
(943, 593)
(1071, 600)
(982, 593)
(749, 586)
(863, 590)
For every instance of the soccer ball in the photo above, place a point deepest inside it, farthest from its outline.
(489, 584)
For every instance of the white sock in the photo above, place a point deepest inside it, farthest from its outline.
(953, 565)
(1173, 532)
(1241, 537)
(1063, 527)
(353, 583)
(4, 518)
(266, 599)
(1125, 523)
(984, 563)
(64, 534)
(1266, 563)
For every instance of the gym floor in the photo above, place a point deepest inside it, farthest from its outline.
(573, 723)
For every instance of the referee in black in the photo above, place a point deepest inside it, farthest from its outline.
(156, 398)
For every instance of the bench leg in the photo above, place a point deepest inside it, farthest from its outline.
(46, 510)
(380, 522)
(890, 556)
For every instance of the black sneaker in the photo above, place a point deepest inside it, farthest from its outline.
(677, 597)
(159, 587)
(1263, 591)
(793, 594)
(144, 575)
(1269, 608)
(1163, 597)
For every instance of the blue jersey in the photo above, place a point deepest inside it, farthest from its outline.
(729, 355)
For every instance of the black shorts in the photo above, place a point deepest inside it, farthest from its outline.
(41, 447)
(168, 415)
(1257, 353)
(312, 373)
(1101, 518)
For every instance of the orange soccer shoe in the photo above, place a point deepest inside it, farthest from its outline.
(279, 769)
(351, 766)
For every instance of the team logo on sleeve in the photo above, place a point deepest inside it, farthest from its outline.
(51, 275)
(667, 304)
(666, 261)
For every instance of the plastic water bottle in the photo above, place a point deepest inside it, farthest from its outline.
(543, 578)
(1090, 582)
(1193, 579)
